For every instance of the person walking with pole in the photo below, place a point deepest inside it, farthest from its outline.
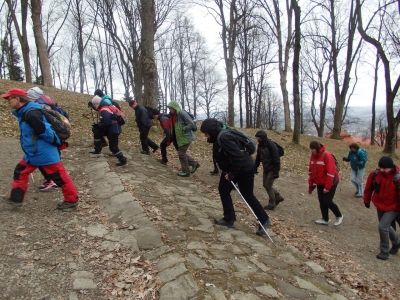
(237, 168)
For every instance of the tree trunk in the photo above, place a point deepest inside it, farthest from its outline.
(40, 43)
(149, 68)
(296, 81)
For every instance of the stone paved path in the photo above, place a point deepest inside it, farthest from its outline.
(195, 258)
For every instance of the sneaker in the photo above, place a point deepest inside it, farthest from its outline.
(338, 221)
(322, 222)
(121, 164)
(7, 200)
(270, 206)
(194, 168)
(279, 200)
(67, 206)
(223, 222)
(214, 172)
(94, 153)
(359, 196)
(145, 152)
(47, 185)
(155, 149)
(184, 174)
(394, 249)
(382, 256)
(162, 161)
(261, 231)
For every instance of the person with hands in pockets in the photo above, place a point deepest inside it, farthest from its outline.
(382, 190)
(323, 175)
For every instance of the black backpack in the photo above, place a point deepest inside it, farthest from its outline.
(281, 151)
(149, 111)
(249, 145)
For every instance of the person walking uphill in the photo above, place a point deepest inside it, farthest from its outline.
(40, 145)
(268, 155)
(144, 124)
(357, 158)
(165, 123)
(182, 127)
(322, 174)
(382, 189)
(236, 166)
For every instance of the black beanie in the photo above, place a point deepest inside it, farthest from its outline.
(315, 145)
(386, 162)
(99, 93)
(211, 126)
(156, 111)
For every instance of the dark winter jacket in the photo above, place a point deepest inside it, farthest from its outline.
(182, 126)
(142, 118)
(356, 157)
(38, 140)
(384, 193)
(322, 170)
(107, 119)
(268, 155)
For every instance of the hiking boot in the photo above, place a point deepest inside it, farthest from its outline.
(261, 231)
(155, 149)
(214, 172)
(145, 152)
(394, 249)
(279, 200)
(270, 206)
(184, 174)
(121, 164)
(194, 168)
(47, 184)
(359, 196)
(382, 256)
(7, 200)
(162, 161)
(67, 206)
(322, 222)
(94, 154)
(223, 222)
(338, 221)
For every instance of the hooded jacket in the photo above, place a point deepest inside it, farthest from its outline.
(356, 157)
(38, 140)
(227, 152)
(384, 193)
(182, 126)
(267, 153)
(322, 171)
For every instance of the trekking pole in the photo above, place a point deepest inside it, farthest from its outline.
(258, 221)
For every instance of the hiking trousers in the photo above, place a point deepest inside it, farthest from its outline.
(55, 172)
(326, 202)
(246, 185)
(185, 159)
(146, 142)
(268, 183)
(386, 231)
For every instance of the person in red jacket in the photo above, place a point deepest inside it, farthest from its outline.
(322, 174)
(385, 195)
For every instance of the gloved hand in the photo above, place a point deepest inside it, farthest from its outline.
(358, 164)
(366, 205)
(344, 158)
(90, 104)
(64, 145)
(167, 143)
(276, 176)
(311, 188)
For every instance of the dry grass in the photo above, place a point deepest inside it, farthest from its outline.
(295, 160)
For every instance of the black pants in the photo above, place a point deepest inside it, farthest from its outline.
(113, 146)
(99, 141)
(146, 142)
(326, 202)
(163, 148)
(246, 186)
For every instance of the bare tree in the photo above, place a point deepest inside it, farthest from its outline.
(296, 79)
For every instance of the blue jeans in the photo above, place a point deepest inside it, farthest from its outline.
(357, 177)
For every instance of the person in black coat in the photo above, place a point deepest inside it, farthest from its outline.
(144, 124)
(268, 155)
(237, 167)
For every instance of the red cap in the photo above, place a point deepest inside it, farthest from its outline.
(14, 92)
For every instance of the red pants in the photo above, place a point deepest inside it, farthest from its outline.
(56, 172)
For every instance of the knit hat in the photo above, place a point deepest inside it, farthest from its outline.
(315, 145)
(96, 100)
(156, 111)
(14, 92)
(131, 102)
(386, 162)
(34, 93)
(99, 93)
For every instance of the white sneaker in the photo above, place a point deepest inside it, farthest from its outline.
(322, 222)
(339, 220)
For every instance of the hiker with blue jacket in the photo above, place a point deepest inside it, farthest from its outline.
(268, 155)
(357, 158)
(237, 167)
(182, 131)
(107, 125)
(40, 144)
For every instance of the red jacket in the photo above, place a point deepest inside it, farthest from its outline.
(323, 171)
(385, 195)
